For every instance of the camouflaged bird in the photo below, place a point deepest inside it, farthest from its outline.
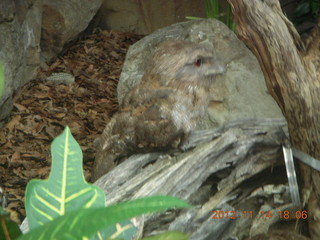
(160, 112)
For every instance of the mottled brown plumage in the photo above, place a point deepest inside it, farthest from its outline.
(163, 108)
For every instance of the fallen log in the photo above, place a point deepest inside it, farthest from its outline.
(238, 167)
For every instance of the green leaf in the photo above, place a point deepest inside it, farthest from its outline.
(315, 7)
(1, 79)
(303, 8)
(66, 189)
(8, 229)
(124, 231)
(86, 222)
(174, 235)
(214, 9)
(193, 18)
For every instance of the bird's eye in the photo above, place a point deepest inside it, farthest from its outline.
(198, 62)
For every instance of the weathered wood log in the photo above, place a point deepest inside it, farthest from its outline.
(222, 169)
(291, 70)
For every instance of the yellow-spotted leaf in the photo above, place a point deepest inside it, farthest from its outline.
(66, 189)
(173, 235)
(85, 223)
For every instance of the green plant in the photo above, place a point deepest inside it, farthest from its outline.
(9, 229)
(307, 11)
(65, 206)
(66, 189)
(212, 8)
(215, 10)
(87, 222)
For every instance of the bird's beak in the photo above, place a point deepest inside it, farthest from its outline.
(215, 68)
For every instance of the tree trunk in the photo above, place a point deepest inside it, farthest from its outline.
(291, 69)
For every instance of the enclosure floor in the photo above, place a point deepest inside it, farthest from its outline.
(43, 109)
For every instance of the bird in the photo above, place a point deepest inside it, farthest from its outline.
(161, 111)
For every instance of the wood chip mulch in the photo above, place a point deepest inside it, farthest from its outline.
(43, 109)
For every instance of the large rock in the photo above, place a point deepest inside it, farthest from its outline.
(62, 22)
(240, 93)
(34, 31)
(20, 27)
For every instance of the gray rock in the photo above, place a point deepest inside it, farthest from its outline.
(240, 93)
(61, 78)
(20, 27)
(33, 32)
(63, 21)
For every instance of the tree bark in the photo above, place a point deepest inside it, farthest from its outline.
(291, 70)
